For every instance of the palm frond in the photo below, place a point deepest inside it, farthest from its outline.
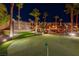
(19, 5)
(35, 13)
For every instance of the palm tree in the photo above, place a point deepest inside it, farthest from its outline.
(61, 21)
(11, 22)
(36, 15)
(44, 21)
(56, 18)
(20, 6)
(4, 17)
(70, 9)
(3, 10)
(3, 13)
(76, 14)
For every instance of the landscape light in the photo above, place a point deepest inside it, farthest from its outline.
(4, 40)
(72, 34)
(47, 35)
(11, 35)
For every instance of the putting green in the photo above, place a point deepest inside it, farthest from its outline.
(35, 46)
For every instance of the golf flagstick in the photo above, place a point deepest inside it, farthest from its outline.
(47, 49)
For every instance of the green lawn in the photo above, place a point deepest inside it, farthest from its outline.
(3, 48)
(35, 46)
(5, 45)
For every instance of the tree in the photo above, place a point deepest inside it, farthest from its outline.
(4, 17)
(4, 22)
(11, 22)
(36, 15)
(3, 10)
(44, 21)
(56, 18)
(20, 6)
(70, 10)
(61, 21)
(76, 14)
(3, 13)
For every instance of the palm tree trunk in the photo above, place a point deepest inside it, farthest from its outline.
(36, 25)
(76, 22)
(71, 16)
(44, 24)
(19, 19)
(60, 22)
(56, 22)
(11, 22)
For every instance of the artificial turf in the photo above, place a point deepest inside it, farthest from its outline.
(30, 44)
(5, 45)
(35, 46)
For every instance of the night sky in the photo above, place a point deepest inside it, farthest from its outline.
(52, 9)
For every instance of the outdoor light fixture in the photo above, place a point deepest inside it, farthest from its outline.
(15, 34)
(47, 35)
(72, 34)
(4, 40)
(11, 35)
